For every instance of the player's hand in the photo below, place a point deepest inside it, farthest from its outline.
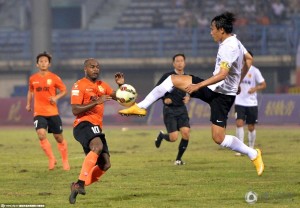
(186, 99)
(167, 101)
(103, 99)
(119, 78)
(191, 88)
(239, 90)
(52, 100)
(28, 108)
(251, 90)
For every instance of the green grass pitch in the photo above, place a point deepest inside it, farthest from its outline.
(144, 176)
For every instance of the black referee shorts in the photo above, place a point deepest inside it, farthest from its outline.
(175, 117)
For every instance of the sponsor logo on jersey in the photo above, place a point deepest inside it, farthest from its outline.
(49, 81)
(75, 92)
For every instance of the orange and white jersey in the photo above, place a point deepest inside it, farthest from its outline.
(43, 87)
(83, 92)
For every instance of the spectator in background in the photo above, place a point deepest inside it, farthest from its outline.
(219, 7)
(157, 20)
(241, 21)
(278, 9)
(249, 8)
(262, 18)
(294, 7)
(202, 20)
(179, 3)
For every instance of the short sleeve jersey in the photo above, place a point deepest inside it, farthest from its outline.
(252, 78)
(231, 53)
(44, 87)
(83, 92)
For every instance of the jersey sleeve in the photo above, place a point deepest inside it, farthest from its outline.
(30, 85)
(108, 89)
(76, 94)
(59, 84)
(227, 57)
(258, 76)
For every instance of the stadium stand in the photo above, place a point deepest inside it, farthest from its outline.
(134, 37)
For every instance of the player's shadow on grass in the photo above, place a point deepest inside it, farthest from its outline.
(133, 196)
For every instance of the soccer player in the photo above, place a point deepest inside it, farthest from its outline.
(43, 86)
(175, 112)
(246, 104)
(219, 91)
(87, 99)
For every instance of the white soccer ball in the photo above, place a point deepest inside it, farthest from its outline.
(126, 95)
(251, 197)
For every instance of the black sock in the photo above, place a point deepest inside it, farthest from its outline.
(166, 137)
(80, 182)
(181, 148)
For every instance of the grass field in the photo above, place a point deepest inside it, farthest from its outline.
(143, 176)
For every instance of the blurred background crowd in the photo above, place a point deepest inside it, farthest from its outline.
(139, 37)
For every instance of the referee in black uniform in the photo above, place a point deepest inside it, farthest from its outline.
(175, 113)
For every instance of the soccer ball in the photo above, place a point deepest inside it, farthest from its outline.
(126, 95)
(251, 197)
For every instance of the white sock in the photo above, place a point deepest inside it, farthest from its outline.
(158, 92)
(240, 133)
(251, 138)
(235, 144)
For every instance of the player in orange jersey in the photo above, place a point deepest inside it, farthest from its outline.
(42, 87)
(87, 99)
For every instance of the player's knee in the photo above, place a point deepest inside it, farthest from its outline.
(217, 138)
(106, 166)
(97, 148)
(186, 135)
(58, 137)
(41, 134)
(173, 136)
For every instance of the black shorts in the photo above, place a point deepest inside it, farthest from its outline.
(247, 113)
(85, 132)
(220, 104)
(52, 123)
(175, 117)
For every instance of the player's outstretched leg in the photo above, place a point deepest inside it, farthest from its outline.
(258, 163)
(157, 92)
(133, 110)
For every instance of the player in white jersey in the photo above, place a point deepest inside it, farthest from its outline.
(246, 105)
(219, 91)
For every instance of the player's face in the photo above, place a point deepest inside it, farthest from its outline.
(216, 33)
(179, 63)
(92, 70)
(43, 63)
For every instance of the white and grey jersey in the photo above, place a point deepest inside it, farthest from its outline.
(252, 78)
(231, 52)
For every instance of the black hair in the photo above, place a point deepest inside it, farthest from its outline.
(224, 21)
(44, 54)
(178, 54)
(250, 52)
